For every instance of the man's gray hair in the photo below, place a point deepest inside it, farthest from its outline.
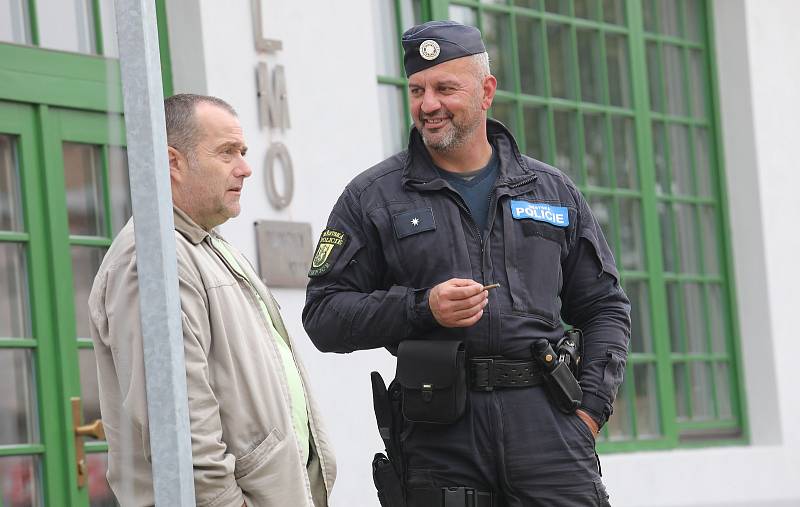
(481, 63)
(183, 133)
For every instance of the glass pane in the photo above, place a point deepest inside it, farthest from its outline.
(620, 426)
(120, 188)
(463, 14)
(687, 237)
(681, 401)
(716, 317)
(589, 63)
(614, 12)
(536, 144)
(100, 494)
(654, 77)
(647, 422)
(14, 313)
(84, 185)
(392, 113)
(497, 2)
(567, 146)
(18, 415)
(603, 210)
(85, 263)
(496, 31)
(589, 9)
(560, 59)
(631, 234)
(68, 25)
(665, 224)
(624, 152)
(10, 204)
(708, 218)
(596, 151)
(531, 62)
(504, 112)
(694, 20)
(90, 396)
(663, 179)
(108, 22)
(20, 481)
(673, 74)
(15, 21)
(702, 163)
(557, 6)
(693, 318)
(680, 160)
(410, 13)
(702, 399)
(722, 382)
(641, 337)
(387, 52)
(530, 4)
(667, 17)
(650, 15)
(697, 82)
(619, 88)
(675, 317)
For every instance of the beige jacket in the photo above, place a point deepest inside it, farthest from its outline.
(244, 447)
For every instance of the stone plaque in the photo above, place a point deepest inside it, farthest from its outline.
(284, 252)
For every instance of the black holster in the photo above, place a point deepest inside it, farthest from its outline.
(559, 379)
(387, 469)
(387, 482)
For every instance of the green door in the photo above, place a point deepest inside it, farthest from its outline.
(63, 195)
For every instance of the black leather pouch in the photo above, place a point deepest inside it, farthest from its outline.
(433, 377)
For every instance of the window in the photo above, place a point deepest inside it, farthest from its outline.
(618, 94)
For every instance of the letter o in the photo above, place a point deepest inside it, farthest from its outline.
(278, 200)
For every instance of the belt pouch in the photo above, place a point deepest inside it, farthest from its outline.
(433, 377)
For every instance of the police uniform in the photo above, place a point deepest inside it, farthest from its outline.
(399, 229)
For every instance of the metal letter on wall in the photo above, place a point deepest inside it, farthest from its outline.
(273, 98)
(280, 152)
(284, 252)
(262, 44)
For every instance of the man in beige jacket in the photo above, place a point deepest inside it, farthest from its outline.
(256, 435)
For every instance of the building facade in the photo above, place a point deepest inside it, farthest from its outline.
(676, 118)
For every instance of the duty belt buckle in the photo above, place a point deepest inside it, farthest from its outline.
(458, 497)
(490, 377)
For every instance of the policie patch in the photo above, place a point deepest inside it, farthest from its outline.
(330, 246)
(541, 212)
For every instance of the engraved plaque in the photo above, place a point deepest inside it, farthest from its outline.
(284, 252)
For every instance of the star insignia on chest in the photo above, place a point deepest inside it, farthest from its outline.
(415, 221)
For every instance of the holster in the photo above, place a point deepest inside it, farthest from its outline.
(560, 382)
(433, 377)
(387, 469)
(387, 482)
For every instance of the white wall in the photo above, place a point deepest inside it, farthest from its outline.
(335, 133)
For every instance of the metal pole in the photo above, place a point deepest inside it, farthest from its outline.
(159, 304)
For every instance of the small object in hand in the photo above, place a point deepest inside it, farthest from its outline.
(492, 286)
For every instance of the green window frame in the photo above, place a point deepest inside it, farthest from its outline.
(620, 95)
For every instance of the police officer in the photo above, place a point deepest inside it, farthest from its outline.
(408, 250)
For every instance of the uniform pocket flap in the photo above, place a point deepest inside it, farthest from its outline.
(432, 363)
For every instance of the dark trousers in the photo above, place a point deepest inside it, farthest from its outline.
(512, 442)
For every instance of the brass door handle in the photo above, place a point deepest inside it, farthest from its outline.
(94, 429)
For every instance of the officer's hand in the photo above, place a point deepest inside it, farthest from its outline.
(589, 421)
(458, 302)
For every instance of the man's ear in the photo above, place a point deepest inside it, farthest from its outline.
(489, 88)
(177, 163)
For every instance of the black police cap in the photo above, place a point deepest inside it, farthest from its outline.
(435, 42)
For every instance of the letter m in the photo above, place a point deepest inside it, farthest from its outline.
(273, 100)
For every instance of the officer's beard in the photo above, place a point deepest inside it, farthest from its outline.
(458, 133)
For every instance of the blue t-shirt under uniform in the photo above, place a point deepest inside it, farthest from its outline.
(476, 189)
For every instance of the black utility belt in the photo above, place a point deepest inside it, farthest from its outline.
(435, 375)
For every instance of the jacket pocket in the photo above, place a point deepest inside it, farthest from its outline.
(533, 253)
(250, 461)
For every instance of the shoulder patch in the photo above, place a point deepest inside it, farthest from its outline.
(539, 211)
(331, 243)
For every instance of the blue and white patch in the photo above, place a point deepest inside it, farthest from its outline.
(555, 215)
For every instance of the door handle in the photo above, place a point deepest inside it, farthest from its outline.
(93, 429)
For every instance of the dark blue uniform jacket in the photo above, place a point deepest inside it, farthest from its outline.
(402, 229)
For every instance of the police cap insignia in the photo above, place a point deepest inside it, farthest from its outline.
(435, 42)
(331, 243)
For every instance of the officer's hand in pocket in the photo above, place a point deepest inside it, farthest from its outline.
(458, 302)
